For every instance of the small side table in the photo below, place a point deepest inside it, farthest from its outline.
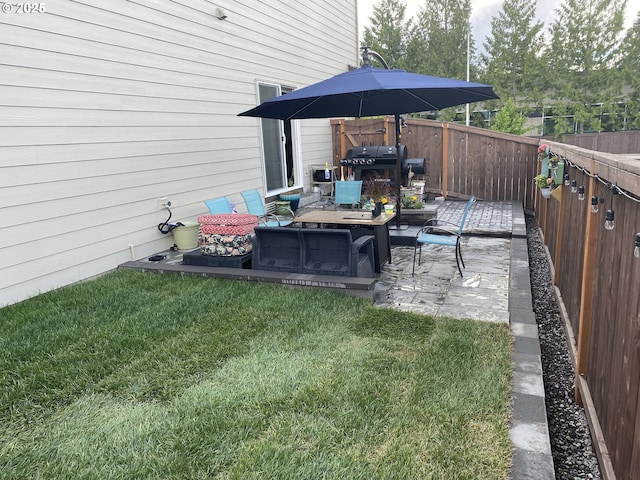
(331, 181)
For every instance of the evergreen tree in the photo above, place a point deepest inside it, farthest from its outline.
(388, 33)
(512, 61)
(630, 66)
(585, 39)
(439, 40)
(509, 119)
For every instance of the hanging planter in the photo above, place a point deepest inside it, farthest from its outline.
(551, 172)
(545, 184)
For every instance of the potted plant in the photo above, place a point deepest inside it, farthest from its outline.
(377, 189)
(410, 202)
(543, 151)
(545, 184)
(292, 197)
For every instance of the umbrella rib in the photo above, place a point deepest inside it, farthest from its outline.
(436, 107)
(475, 92)
(433, 107)
(304, 107)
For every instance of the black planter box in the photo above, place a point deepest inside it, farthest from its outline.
(195, 257)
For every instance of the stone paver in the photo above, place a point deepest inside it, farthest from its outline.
(484, 218)
(437, 288)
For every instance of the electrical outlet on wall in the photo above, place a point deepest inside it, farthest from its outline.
(163, 202)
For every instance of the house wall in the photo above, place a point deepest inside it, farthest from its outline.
(107, 106)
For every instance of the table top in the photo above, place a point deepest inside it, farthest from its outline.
(344, 217)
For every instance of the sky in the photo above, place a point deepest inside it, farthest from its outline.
(482, 12)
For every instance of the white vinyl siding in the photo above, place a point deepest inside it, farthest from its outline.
(106, 106)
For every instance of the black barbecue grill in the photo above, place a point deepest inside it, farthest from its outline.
(381, 159)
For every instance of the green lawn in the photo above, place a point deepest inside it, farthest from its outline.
(136, 375)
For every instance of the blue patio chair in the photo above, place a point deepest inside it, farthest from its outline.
(255, 206)
(348, 192)
(219, 205)
(434, 233)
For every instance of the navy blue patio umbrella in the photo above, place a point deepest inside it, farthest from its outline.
(369, 91)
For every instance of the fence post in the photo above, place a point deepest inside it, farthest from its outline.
(340, 150)
(445, 157)
(586, 295)
(387, 121)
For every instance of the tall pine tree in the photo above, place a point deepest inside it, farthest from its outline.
(439, 41)
(388, 32)
(585, 38)
(512, 61)
(438, 44)
(630, 66)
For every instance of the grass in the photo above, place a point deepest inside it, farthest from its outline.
(135, 375)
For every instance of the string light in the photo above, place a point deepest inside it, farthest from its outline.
(581, 188)
(597, 200)
(609, 222)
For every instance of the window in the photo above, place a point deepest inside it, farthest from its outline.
(278, 145)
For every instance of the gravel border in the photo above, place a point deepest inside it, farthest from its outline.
(571, 447)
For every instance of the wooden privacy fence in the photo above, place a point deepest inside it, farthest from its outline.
(597, 279)
(460, 160)
(611, 142)
(596, 275)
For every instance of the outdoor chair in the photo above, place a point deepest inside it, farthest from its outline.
(434, 232)
(255, 206)
(348, 192)
(276, 249)
(328, 251)
(219, 205)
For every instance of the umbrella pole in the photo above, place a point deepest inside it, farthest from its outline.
(398, 171)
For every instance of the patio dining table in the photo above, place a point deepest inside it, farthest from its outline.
(362, 220)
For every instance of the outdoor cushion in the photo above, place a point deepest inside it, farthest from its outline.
(226, 234)
(225, 245)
